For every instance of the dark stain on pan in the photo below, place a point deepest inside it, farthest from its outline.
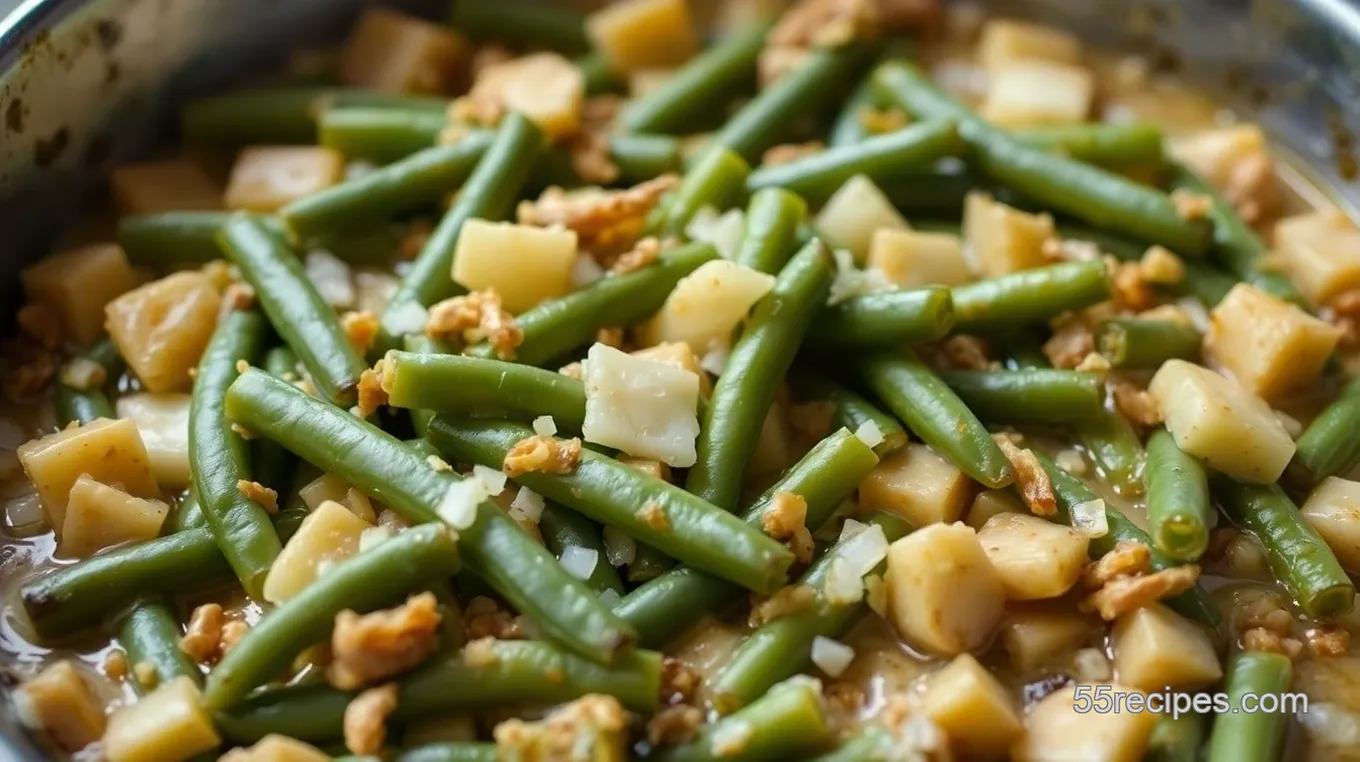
(15, 114)
(109, 32)
(111, 71)
(97, 151)
(47, 150)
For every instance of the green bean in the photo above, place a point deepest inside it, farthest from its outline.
(829, 473)
(273, 465)
(849, 128)
(758, 362)
(281, 115)
(523, 671)
(932, 411)
(1036, 396)
(1298, 556)
(1178, 505)
(1205, 283)
(688, 529)
(362, 583)
(1177, 739)
(1242, 736)
(418, 180)
(713, 78)
(380, 135)
(1144, 344)
(1103, 144)
(717, 179)
(1093, 195)
(850, 411)
(175, 238)
(220, 459)
(521, 24)
(188, 515)
(1029, 296)
(488, 194)
(785, 723)
(886, 319)
(648, 564)
(287, 296)
(771, 235)
(494, 547)
(149, 634)
(457, 384)
(563, 528)
(86, 405)
(642, 157)
(599, 76)
(1329, 446)
(893, 154)
(558, 326)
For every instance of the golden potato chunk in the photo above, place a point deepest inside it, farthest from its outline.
(910, 259)
(162, 328)
(545, 87)
(1054, 729)
(1037, 93)
(1006, 41)
(77, 283)
(267, 178)
(1333, 509)
(329, 534)
(973, 708)
(1270, 346)
(854, 213)
(523, 263)
(1320, 252)
(944, 597)
(107, 451)
(163, 422)
(989, 503)
(173, 185)
(918, 485)
(644, 34)
(277, 748)
(1002, 239)
(1156, 648)
(1035, 558)
(59, 702)
(398, 53)
(706, 305)
(169, 723)
(99, 516)
(1037, 640)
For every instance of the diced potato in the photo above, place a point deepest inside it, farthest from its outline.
(645, 408)
(395, 52)
(1035, 558)
(1037, 640)
(644, 34)
(544, 87)
(973, 708)
(653, 468)
(1320, 252)
(989, 503)
(77, 283)
(524, 264)
(643, 82)
(854, 213)
(918, 485)
(680, 355)
(107, 451)
(1217, 155)
(173, 185)
(1005, 42)
(1156, 648)
(706, 305)
(162, 328)
(1036, 93)
(267, 178)
(1054, 729)
(944, 597)
(163, 422)
(99, 516)
(1216, 420)
(328, 534)
(59, 702)
(276, 748)
(331, 487)
(167, 725)
(1333, 509)
(774, 446)
(910, 258)
(1270, 346)
(1003, 239)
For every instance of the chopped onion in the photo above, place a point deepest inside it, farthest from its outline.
(619, 548)
(831, 656)
(1291, 425)
(1088, 518)
(1328, 724)
(373, 290)
(579, 562)
(730, 737)
(869, 433)
(528, 504)
(585, 271)
(852, 281)
(373, 537)
(1071, 461)
(83, 373)
(1091, 665)
(842, 586)
(494, 479)
(723, 231)
(715, 359)
(1194, 309)
(920, 738)
(545, 426)
(610, 597)
(406, 318)
(864, 549)
(851, 528)
(458, 508)
(331, 277)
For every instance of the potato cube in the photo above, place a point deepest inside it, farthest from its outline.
(706, 305)
(162, 328)
(1035, 558)
(973, 708)
(1216, 420)
(989, 503)
(525, 264)
(110, 452)
(331, 487)
(1054, 729)
(277, 748)
(918, 485)
(1320, 252)
(328, 534)
(849, 219)
(1333, 509)
(910, 259)
(1229, 158)
(644, 34)
(680, 355)
(544, 87)
(59, 702)
(99, 516)
(173, 185)
(646, 408)
(1036, 93)
(1156, 648)
(77, 283)
(163, 422)
(1005, 42)
(1270, 346)
(944, 597)
(167, 725)
(398, 53)
(1003, 239)
(644, 82)
(1037, 640)
(267, 178)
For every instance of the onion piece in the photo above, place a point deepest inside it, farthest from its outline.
(332, 278)
(619, 548)
(842, 585)
(585, 271)
(1088, 518)
(528, 504)
(406, 318)
(831, 656)
(724, 230)
(545, 426)
(373, 537)
(458, 507)
(579, 562)
(863, 550)
(869, 433)
(493, 478)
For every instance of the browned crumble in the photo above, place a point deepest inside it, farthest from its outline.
(607, 223)
(591, 727)
(202, 639)
(789, 599)
(1262, 640)
(1093, 363)
(590, 157)
(679, 682)
(674, 725)
(255, 492)
(610, 336)
(966, 352)
(232, 632)
(1132, 290)
(811, 420)
(1128, 558)
(372, 395)
(1160, 266)
(1072, 340)
(1327, 640)
(376, 646)
(473, 317)
(1251, 189)
(144, 672)
(543, 454)
(1135, 404)
(1036, 488)
(654, 516)
(489, 55)
(361, 328)
(115, 665)
(1191, 206)
(483, 618)
(481, 652)
(1124, 594)
(643, 253)
(789, 152)
(599, 112)
(28, 377)
(238, 296)
(786, 521)
(365, 725)
(1219, 540)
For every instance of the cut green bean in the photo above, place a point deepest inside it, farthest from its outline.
(282, 115)
(274, 466)
(1106, 145)
(649, 563)
(849, 128)
(1029, 296)
(563, 528)
(599, 76)
(872, 744)
(787, 722)
(308, 325)
(758, 362)
(1177, 739)
(1242, 736)
(1206, 283)
(188, 515)
(717, 179)
(1144, 344)
(1178, 504)
(177, 238)
(379, 135)
(1329, 446)
(1034, 396)
(522, 24)
(771, 235)
(85, 405)
(648, 509)
(149, 634)
(851, 411)
(886, 319)
(686, 101)
(457, 384)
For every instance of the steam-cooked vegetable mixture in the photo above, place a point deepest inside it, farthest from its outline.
(873, 382)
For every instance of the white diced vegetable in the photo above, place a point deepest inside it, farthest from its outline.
(1089, 519)
(851, 281)
(973, 708)
(1155, 648)
(99, 516)
(854, 213)
(1333, 509)
(706, 305)
(329, 487)
(724, 230)
(460, 503)
(1320, 252)
(579, 562)
(528, 503)
(619, 547)
(679, 354)
(277, 748)
(544, 87)
(107, 451)
(59, 702)
(831, 656)
(408, 317)
(1034, 558)
(169, 724)
(77, 283)
(910, 258)
(173, 185)
(329, 534)
(1270, 346)
(163, 423)
(1006, 41)
(1216, 420)
(524, 264)
(644, 34)
(869, 433)
(332, 277)
(1037, 640)
(642, 407)
(1035, 93)
(1001, 239)
(493, 478)
(265, 179)
(162, 328)
(861, 546)
(395, 52)
(918, 485)
(1054, 729)
(585, 271)
(944, 597)
(545, 426)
